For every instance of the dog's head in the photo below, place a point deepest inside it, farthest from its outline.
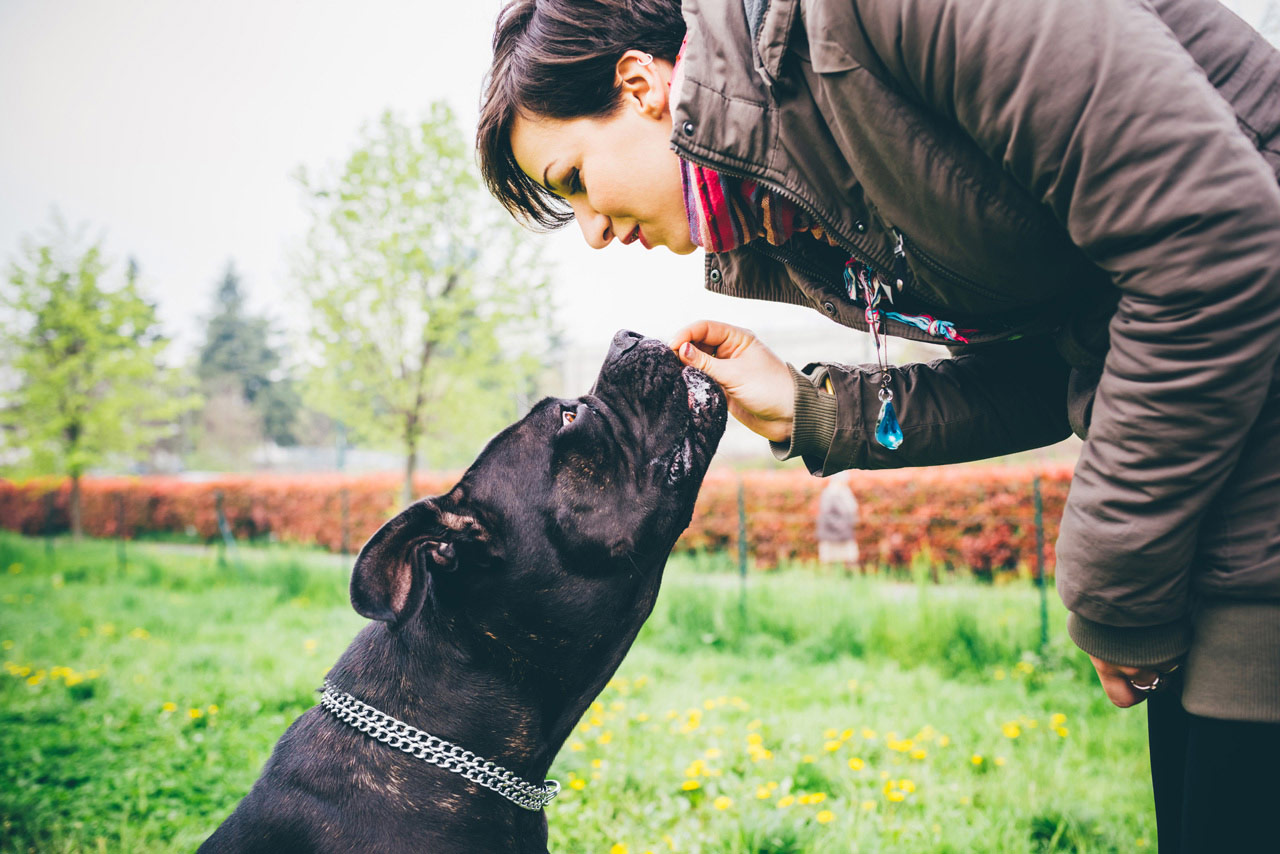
(565, 520)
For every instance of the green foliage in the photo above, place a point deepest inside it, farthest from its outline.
(428, 305)
(85, 348)
(139, 701)
(237, 347)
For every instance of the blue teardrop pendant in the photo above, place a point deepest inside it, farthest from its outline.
(888, 430)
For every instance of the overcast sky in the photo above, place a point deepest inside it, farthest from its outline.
(172, 129)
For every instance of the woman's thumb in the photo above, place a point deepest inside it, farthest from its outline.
(695, 358)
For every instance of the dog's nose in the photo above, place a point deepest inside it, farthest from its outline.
(623, 341)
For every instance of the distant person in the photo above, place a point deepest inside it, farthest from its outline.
(1079, 197)
(838, 523)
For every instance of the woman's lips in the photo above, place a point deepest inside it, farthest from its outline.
(636, 234)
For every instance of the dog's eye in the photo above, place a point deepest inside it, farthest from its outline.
(567, 416)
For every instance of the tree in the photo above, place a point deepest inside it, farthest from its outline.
(428, 304)
(85, 351)
(237, 350)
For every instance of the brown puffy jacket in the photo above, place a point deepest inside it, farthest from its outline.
(1089, 185)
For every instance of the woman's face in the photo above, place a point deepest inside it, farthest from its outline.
(618, 173)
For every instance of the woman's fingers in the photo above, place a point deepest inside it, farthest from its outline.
(715, 338)
(1127, 686)
(757, 383)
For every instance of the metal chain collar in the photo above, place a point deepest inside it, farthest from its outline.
(437, 751)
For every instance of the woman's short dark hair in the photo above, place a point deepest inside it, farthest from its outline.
(558, 59)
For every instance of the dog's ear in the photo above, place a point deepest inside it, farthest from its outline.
(390, 579)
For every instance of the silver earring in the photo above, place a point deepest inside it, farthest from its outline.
(648, 58)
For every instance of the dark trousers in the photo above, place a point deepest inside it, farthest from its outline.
(1216, 782)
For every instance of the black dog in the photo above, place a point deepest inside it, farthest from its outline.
(503, 608)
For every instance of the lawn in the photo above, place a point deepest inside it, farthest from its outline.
(141, 697)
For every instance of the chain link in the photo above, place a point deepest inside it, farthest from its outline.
(436, 751)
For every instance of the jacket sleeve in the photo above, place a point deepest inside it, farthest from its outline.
(984, 402)
(1097, 110)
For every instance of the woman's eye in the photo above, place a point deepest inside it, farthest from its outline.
(575, 182)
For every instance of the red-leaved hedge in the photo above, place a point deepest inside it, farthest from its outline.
(979, 518)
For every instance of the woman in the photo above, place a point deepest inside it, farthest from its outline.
(1080, 197)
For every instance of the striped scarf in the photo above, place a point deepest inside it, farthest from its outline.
(725, 212)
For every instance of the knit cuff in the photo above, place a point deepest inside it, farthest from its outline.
(1131, 646)
(815, 421)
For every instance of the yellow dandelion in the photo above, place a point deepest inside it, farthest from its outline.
(1000, 760)
(1061, 731)
(712, 753)
(965, 801)
(999, 674)
(577, 746)
(832, 746)
(1011, 730)
(802, 800)
(195, 713)
(763, 793)
(595, 721)
(617, 705)
(907, 786)
(773, 786)
(868, 733)
(1057, 719)
(825, 817)
(722, 803)
(919, 753)
(672, 715)
(755, 738)
(642, 717)
(36, 678)
(846, 734)
(619, 848)
(15, 568)
(943, 741)
(817, 797)
(786, 801)
(169, 707)
(856, 764)
(577, 784)
(708, 704)
(755, 724)
(139, 633)
(868, 806)
(310, 645)
(213, 708)
(690, 785)
(808, 759)
(605, 737)
(895, 796)
(596, 763)
(976, 759)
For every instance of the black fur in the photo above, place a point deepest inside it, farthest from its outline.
(501, 609)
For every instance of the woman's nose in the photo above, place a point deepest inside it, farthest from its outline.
(597, 230)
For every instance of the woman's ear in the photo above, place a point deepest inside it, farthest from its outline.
(645, 82)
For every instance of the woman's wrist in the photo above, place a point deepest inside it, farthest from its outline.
(813, 424)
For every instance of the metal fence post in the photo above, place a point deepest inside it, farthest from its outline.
(122, 561)
(1044, 601)
(345, 499)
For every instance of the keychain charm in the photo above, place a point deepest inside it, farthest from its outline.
(888, 430)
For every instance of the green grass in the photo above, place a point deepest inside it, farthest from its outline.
(139, 702)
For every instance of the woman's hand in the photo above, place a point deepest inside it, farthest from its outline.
(758, 384)
(1118, 682)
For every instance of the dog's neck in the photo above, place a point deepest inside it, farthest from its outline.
(514, 708)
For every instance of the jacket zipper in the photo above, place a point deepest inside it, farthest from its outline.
(937, 266)
(900, 329)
